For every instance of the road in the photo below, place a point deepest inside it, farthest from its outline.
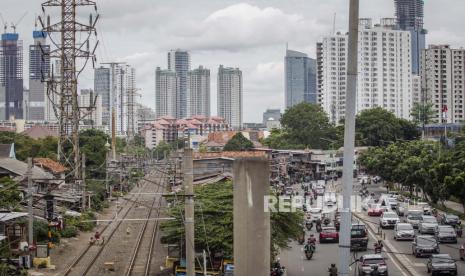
(403, 263)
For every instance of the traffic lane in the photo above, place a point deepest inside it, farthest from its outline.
(405, 248)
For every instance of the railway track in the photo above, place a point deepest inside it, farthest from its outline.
(140, 264)
(119, 242)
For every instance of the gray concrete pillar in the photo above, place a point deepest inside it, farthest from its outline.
(252, 234)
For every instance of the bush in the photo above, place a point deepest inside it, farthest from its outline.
(69, 232)
(41, 232)
(87, 226)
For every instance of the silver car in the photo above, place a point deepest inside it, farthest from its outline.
(414, 218)
(427, 225)
(368, 262)
(445, 234)
(404, 231)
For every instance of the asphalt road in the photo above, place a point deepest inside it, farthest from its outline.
(295, 262)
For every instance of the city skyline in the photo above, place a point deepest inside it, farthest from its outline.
(260, 57)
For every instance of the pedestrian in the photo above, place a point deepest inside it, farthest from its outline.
(332, 270)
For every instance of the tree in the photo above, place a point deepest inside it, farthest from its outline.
(238, 143)
(26, 147)
(214, 221)
(422, 114)
(307, 126)
(377, 127)
(10, 196)
(92, 144)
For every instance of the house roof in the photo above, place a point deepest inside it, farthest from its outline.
(39, 132)
(50, 165)
(19, 168)
(11, 215)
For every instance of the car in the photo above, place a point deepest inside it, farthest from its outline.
(289, 191)
(329, 234)
(424, 245)
(388, 219)
(414, 217)
(426, 208)
(314, 214)
(441, 264)
(392, 203)
(375, 210)
(401, 209)
(427, 225)
(404, 231)
(367, 202)
(450, 219)
(445, 234)
(358, 237)
(367, 263)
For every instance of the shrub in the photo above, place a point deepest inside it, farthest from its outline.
(69, 232)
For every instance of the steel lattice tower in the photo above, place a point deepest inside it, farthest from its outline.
(62, 89)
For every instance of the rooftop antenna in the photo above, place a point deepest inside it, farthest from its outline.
(13, 26)
(5, 25)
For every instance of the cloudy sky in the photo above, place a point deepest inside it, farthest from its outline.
(249, 34)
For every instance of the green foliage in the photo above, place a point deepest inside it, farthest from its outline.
(214, 211)
(27, 147)
(69, 232)
(81, 222)
(92, 143)
(378, 127)
(10, 196)
(307, 125)
(238, 143)
(41, 232)
(427, 166)
(422, 114)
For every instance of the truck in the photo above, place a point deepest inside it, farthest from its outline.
(358, 237)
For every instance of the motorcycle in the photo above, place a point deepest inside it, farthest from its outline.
(378, 247)
(326, 221)
(309, 225)
(301, 238)
(309, 251)
(279, 271)
(458, 230)
(318, 228)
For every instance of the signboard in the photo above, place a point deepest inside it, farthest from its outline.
(42, 251)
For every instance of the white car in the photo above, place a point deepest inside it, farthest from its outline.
(392, 203)
(404, 231)
(367, 202)
(427, 225)
(388, 219)
(414, 217)
(314, 213)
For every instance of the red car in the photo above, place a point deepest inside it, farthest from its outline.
(375, 211)
(329, 234)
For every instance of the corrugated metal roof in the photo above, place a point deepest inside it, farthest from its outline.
(20, 168)
(11, 215)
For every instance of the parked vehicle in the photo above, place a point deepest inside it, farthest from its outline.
(445, 234)
(367, 264)
(404, 231)
(358, 237)
(427, 225)
(441, 264)
(450, 219)
(329, 234)
(424, 245)
(388, 219)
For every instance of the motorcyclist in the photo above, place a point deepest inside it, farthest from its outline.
(378, 247)
(309, 224)
(311, 240)
(332, 270)
(458, 230)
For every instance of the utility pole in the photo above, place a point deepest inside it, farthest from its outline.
(189, 211)
(29, 204)
(349, 140)
(69, 50)
(83, 182)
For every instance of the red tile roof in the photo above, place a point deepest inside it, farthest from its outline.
(50, 165)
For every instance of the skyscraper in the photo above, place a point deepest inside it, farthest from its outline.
(198, 97)
(300, 80)
(165, 93)
(409, 15)
(443, 81)
(385, 78)
(102, 89)
(39, 68)
(230, 95)
(11, 77)
(179, 62)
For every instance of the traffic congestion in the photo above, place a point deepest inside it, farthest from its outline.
(390, 234)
